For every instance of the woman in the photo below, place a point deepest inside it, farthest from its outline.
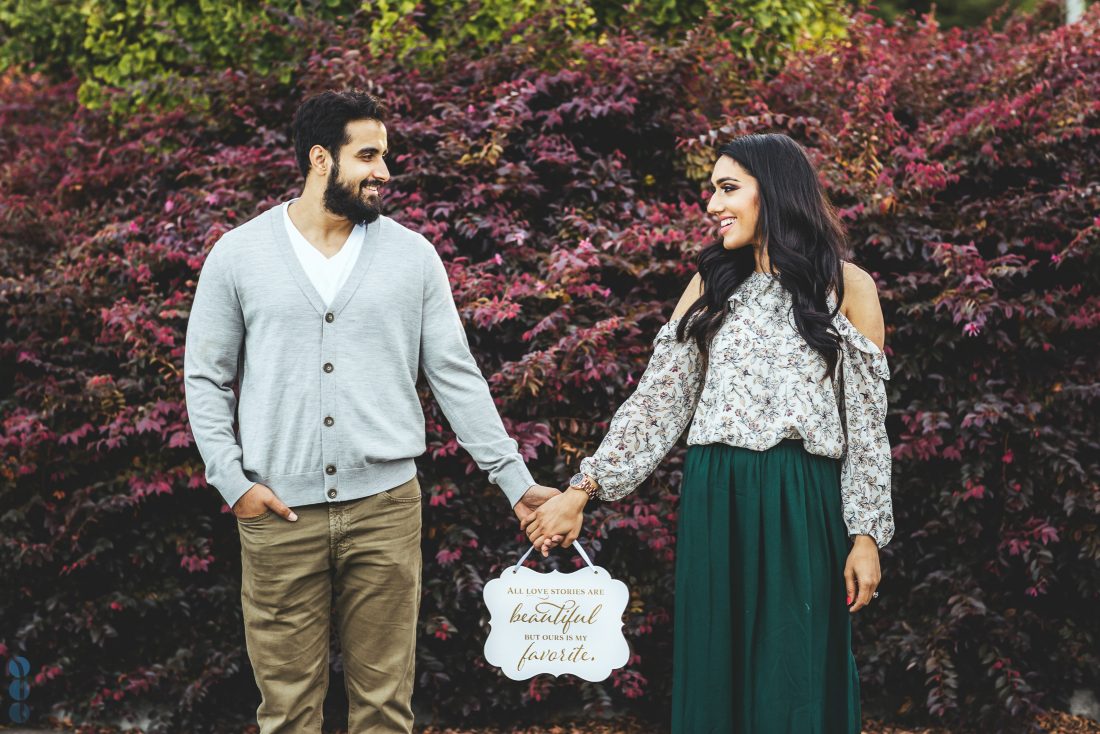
(788, 458)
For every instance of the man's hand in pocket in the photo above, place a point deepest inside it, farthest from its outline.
(258, 500)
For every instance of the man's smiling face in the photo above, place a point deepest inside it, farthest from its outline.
(358, 172)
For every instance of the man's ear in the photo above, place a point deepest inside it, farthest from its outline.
(319, 156)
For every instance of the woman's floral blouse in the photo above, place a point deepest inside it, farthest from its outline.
(763, 383)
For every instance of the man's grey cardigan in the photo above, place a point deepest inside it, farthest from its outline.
(328, 408)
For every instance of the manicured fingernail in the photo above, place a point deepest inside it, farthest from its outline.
(849, 600)
(293, 517)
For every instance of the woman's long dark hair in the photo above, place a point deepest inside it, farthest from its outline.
(803, 237)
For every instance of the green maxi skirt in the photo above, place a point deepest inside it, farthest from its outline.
(762, 633)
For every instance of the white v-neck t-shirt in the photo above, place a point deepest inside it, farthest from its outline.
(327, 274)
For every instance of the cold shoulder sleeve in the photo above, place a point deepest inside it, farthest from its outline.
(866, 466)
(648, 424)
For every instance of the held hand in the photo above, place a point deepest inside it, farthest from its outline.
(558, 520)
(862, 573)
(257, 500)
(532, 499)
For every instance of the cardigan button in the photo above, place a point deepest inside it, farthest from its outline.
(328, 367)
(328, 420)
(332, 494)
(330, 469)
(329, 317)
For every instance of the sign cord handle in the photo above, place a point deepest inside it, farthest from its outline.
(532, 548)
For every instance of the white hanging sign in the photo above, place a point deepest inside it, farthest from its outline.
(556, 623)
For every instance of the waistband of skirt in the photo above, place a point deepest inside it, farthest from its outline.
(783, 445)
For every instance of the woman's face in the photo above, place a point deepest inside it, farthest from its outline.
(734, 203)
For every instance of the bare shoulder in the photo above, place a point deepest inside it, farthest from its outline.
(861, 304)
(691, 295)
(858, 282)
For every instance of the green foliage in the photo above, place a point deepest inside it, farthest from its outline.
(43, 33)
(157, 50)
(149, 46)
(430, 31)
(759, 29)
(957, 13)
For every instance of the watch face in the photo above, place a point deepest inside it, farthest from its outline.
(577, 480)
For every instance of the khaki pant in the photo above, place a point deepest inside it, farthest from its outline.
(367, 551)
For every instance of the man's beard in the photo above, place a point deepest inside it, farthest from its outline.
(346, 202)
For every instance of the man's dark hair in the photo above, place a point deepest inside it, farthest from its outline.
(323, 118)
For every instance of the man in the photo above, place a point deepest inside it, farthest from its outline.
(325, 311)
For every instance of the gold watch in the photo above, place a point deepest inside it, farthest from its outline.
(584, 483)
